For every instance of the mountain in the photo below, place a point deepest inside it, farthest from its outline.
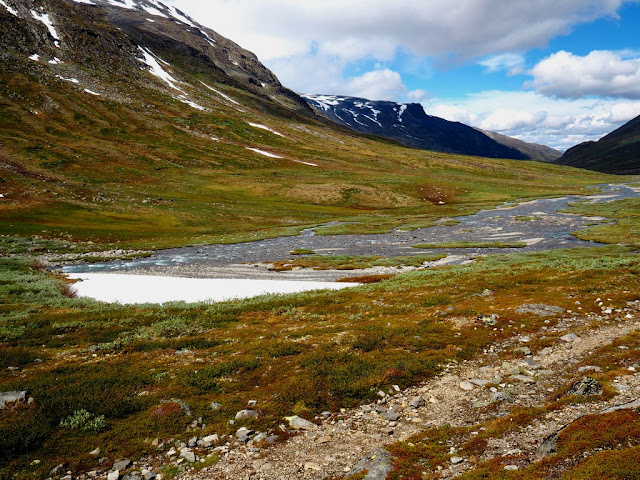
(534, 151)
(409, 125)
(617, 153)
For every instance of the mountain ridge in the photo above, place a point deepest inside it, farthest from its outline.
(617, 153)
(409, 125)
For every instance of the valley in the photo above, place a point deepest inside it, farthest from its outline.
(397, 296)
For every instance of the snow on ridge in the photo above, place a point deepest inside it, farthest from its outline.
(220, 93)
(72, 80)
(153, 11)
(55, 61)
(181, 17)
(88, 2)
(128, 4)
(324, 101)
(12, 11)
(44, 18)
(262, 152)
(306, 163)
(183, 99)
(92, 92)
(157, 70)
(263, 127)
(402, 109)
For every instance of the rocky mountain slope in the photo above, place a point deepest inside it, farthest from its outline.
(408, 124)
(534, 151)
(618, 152)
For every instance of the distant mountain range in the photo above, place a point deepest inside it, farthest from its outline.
(618, 152)
(409, 125)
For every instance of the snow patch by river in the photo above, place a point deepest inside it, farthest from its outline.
(130, 289)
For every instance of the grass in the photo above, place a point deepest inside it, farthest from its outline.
(471, 244)
(624, 227)
(306, 353)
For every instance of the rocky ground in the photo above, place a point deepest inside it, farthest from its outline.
(504, 376)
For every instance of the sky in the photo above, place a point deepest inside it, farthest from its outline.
(555, 72)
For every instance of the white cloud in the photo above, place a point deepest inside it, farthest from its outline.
(505, 61)
(601, 72)
(376, 85)
(284, 33)
(559, 123)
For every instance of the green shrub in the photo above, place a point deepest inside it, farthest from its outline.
(81, 419)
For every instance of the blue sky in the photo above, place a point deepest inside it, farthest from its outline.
(556, 72)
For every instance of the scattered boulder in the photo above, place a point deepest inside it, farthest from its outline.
(540, 309)
(121, 465)
(499, 397)
(377, 465)
(569, 337)
(113, 475)
(417, 402)
(210, 440)
(188, 455)
(466, 386)
(10, 397)
(299, 423)
(247, 415)
(488, 320)
(243, 435)
(391, 416)
(586, 386)
(456, 460)
(215, 406)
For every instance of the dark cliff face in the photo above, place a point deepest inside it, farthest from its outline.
(409, 125)
(617, 153)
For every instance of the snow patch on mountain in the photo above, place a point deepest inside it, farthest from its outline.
(72, 80)
(220, 93)
(184, 99)
(156, 70)
(88, 2)
(263, 127)
(44, 18)
(35, 57)
(262, 152)
(324, 101)
(9, 9)
(400, 112)
(91, 92)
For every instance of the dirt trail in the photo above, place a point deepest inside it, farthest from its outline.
(341, 440)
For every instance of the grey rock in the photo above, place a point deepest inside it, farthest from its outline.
(531, 363)
(10, 397)
(466, 386)
(244, 434)
(298, 423)
(540, 309)
(417, 402)
(523, 350)
(271, 439)
(549, 445)
(247, 415)
(215, 406)
(210, 440)
(377, 465)
(589, 368)
(260, 437)
(456, 460)
(193, 441)
(188, 455)
(391, 415)
(586, 386)
(132, 476)
(252, 403)
(149, 476)
(569, 337)
(499, 397)
(524, 378)
(480, 382)
(511, 467)
(113, 475)
(121, 465)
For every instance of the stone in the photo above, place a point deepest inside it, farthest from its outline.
(466, 386)
(524, 378)
(511, 467)
(499, 397)
(480, 382)
(312, 466)
(132, 476)
(540, 309)
(549, 444)
(417, 402)
(569, 337)
(121, 465)
(456, 460)
(586, 386)
(252, 403)
(193, 441)
(323, 439)
(210, 440)
(391, 415)
(95, 452)
(10, 397)
(244, 434)
(188, 455)
(523, 350)
(377, 465)
(215, 406)
(298, 423)
(590, 368)
(271, 439)
(247, 415)
(113, 475)
(488, 320)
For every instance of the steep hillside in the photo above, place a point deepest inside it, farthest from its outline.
(534, 151)
(617, 153)
(409, 125)
(129, 123)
